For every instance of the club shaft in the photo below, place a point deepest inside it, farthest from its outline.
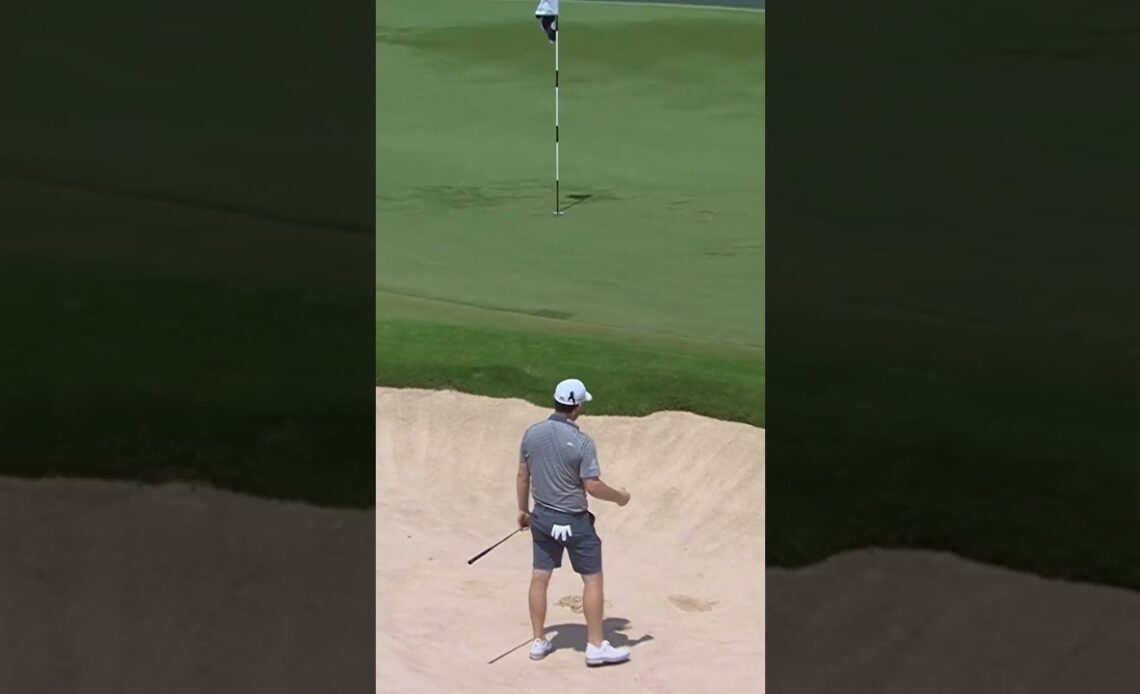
(478, 556)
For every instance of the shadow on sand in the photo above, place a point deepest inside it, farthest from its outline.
(574, 636)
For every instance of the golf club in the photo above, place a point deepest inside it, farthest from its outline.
(473, 559)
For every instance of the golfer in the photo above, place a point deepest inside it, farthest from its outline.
(559, 465)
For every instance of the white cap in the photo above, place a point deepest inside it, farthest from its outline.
(572, 392)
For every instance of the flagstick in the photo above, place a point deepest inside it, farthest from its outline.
(557, 175)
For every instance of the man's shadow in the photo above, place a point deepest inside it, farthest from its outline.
(573, 636)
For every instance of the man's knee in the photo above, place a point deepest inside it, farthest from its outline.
(541, 576)
(594, 578)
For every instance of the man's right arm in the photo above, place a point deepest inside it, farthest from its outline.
(591, 475)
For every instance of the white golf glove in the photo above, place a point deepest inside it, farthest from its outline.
(561, 532)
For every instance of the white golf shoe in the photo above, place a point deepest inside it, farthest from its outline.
(605, 654)
(539, 649)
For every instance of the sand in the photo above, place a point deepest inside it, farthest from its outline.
(115, 587)
(901, 622)
(684, 561)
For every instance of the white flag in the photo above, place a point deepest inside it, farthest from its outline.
(547, 14)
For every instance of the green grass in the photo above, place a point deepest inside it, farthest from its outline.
(652, 289)
(165, 342)
(170, 285)
(963, 382)
(193, 104)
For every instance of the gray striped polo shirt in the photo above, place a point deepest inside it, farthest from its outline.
(559, 456)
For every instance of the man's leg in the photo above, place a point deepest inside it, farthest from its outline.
(539, 582)
(586, 556)
(593, 604)
(598, 650)
(547, 558)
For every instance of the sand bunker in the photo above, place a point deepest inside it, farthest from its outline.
(112, 587)
(894, 622)
(684, 560)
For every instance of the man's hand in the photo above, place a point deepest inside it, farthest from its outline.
(524, 519)
(624, 498)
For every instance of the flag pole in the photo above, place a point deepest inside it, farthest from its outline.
(557, 163)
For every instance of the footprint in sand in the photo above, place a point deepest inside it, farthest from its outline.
(687, 603)
(574, 602)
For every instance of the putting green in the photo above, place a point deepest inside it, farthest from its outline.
(662, 127)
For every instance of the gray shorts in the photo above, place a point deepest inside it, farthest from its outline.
(581, 541)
